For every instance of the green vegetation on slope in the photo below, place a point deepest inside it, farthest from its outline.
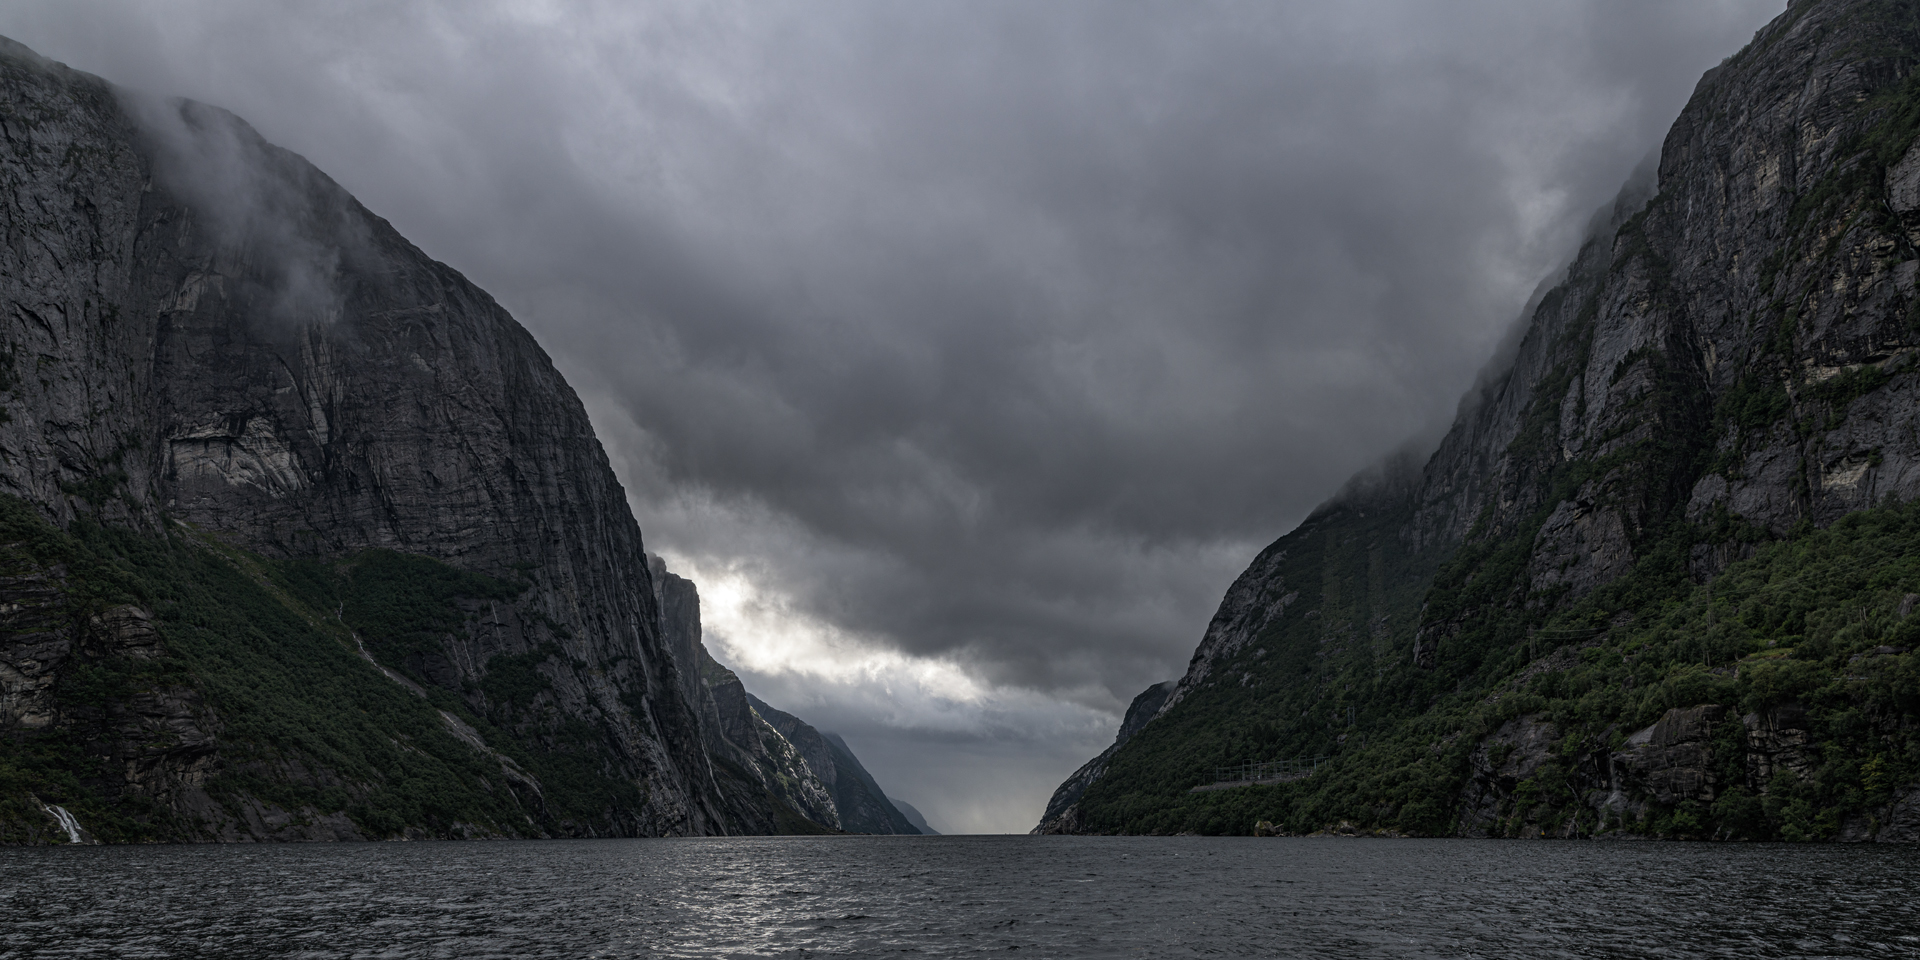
(403, 608)
(302, 721)
(1403, 739)
(1822, 619)
(1332, 664)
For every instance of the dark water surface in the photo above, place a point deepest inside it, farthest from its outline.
(960, 896)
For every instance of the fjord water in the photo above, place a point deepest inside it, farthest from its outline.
(959, 896)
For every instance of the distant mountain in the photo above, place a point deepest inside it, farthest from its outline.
(863, 807)
(913, 816)
(1659, 579)
(890, 812)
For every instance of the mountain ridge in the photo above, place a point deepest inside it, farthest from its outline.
(861, 805)
(304, 537)
(1541, 635)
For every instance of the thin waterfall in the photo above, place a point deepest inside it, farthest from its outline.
(66, 821)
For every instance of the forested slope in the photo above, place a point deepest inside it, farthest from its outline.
(1653, 581)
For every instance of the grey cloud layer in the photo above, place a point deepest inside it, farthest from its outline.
(1005, 332)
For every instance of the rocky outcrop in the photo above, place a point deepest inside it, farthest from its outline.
(1525, 776)
(153, 729)
(36, 624)
(812, 747)
(1512, 756)
(1778, 741)
(1672, 761)
(1682, 762)
(1527, 780)
(1901, 824)
(199, 327)
(1060, 815)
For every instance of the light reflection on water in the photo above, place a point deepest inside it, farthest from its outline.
(953, 896)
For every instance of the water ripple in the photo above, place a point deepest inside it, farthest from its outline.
(962, 896)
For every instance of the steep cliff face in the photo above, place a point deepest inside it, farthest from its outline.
(757, 765)
(1737, 343)
(1645, 542)
(776, 773)
(864, 806)
(857, 800)
(199, 331)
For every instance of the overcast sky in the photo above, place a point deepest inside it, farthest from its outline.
(963, 353)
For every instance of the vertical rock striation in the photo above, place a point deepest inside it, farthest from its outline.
(858, 801)
(199, 328)
(773, 767)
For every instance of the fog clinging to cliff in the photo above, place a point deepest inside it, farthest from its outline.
(964, 352)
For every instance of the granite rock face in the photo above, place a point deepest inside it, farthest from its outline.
(864, 806)
(1672, 761)
(860, 803)
(1729, 279)
(199, 328)
(769, 761)
(1729, 358)
(763, 775)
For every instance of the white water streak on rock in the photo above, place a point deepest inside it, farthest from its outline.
(66, 821)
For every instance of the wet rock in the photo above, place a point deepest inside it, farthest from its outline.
(1672, 760)
(1777, 741)
(36, 639)
(1509, 756)
(1900, 823)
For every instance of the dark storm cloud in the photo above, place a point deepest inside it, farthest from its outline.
(998, 333)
